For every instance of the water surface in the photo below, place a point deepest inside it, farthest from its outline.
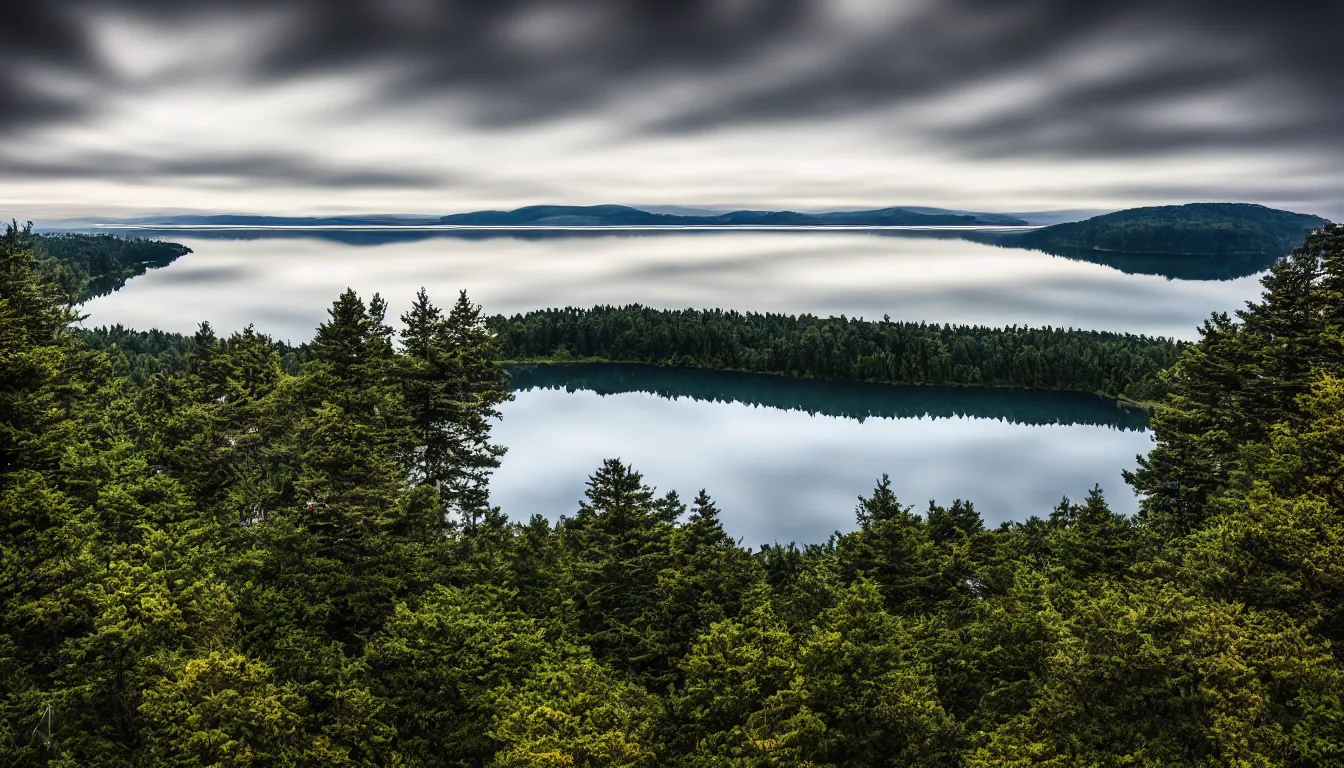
(786, 458)
(283, 283)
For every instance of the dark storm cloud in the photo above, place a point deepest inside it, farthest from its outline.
(34, 36)
(523, 61)
(254, 168)
(1192, 49)
(526, 59)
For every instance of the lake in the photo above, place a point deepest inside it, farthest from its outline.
(784, 459)
(283, 282)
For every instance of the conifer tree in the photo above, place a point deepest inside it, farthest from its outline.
(453, 385)
(1241, 379)
(892, 548)
(619, 542)
(1090, 541)
(478, 386)
(709, 579)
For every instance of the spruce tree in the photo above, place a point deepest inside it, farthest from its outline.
(892, 547)
(478, 385)
(619, 543)
(453, 385)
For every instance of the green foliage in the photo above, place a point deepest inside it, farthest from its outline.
(260, 556)
(1110, 364)
(87, 266)
(451, 387)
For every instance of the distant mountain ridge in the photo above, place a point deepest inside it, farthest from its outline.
(592, 215)
(623, 215)
(1194, 229)
(250, 220)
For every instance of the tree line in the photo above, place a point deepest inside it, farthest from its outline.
(232, 564)
(1110, 364)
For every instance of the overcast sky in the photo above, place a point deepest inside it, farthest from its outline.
(419, 106)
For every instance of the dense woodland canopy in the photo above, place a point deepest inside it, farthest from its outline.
(1111, 364)
(237, 565)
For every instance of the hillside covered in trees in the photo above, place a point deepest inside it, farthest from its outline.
(233, 564)
(85, 266)
(1195, 229)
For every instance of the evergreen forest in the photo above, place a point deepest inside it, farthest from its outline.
(271, 556)
(1109, 364)
(85, 266)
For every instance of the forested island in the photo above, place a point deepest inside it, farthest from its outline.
(1194, 229)
(1114, 365)
(1109, 364)
(233, 564)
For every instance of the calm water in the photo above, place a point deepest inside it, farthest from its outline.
(283, 284)
(786, 459)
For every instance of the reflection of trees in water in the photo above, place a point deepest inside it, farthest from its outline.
(844, 399)
(1177, 266)
(1173, 266)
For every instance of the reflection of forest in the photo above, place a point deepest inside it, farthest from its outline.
(1173, 266)
(1177, 266)
(852, 400)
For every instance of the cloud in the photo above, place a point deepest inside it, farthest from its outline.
(412, 95)
(287, 169)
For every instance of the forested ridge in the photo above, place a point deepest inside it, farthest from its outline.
(232, 564)
(623, 215)
(1110, 364)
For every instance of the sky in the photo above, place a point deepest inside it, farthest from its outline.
(418, 106)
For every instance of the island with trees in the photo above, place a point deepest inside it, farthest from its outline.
(1194, 229)
(1113, 365)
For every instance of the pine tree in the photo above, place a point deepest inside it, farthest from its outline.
(1089, 541)
(1229, 390)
